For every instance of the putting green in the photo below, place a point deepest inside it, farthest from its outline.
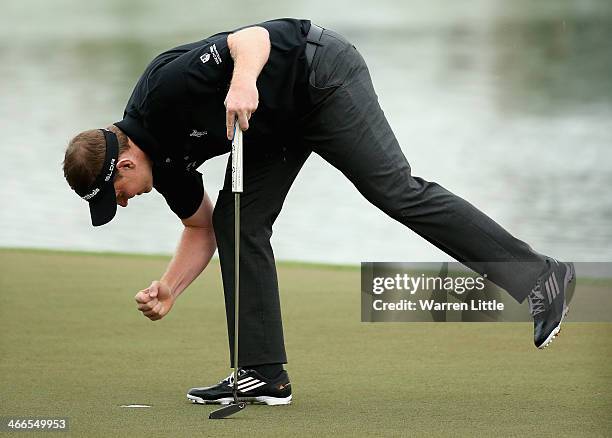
(72, 344)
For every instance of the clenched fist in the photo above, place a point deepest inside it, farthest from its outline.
(155, 301)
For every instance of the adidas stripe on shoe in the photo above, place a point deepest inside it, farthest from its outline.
(548, 301)
(252, 388)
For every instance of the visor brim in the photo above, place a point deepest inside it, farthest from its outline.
(104, 207)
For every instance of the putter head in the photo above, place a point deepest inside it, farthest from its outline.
(226, 411)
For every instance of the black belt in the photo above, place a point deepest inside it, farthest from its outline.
(312, 42)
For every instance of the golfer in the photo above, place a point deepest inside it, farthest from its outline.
(294, 88)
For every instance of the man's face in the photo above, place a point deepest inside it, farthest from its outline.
(134, 177)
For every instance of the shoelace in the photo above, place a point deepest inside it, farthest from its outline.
(230, 379)
(536, 300)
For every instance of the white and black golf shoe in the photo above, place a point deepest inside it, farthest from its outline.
(252, 388)
(548, 301)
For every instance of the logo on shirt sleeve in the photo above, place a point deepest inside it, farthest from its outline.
(215, 54)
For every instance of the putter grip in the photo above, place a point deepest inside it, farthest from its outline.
(237, 159)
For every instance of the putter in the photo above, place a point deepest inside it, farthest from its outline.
(236, 405)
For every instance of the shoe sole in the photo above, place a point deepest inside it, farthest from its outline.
(555, 331)
(261, 400)
(570, 275)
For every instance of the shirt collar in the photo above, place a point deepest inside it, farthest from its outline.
(140, 136)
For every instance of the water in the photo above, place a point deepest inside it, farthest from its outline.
(508, 104)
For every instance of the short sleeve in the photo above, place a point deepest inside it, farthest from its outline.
(286, 33)
(182, 190)
(206, 69)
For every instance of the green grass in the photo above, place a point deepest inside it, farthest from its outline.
(72, 344)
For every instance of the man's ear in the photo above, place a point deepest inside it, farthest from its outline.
(125, 163)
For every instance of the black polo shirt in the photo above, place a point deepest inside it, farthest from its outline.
(176, 113)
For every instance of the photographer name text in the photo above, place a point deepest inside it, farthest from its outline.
(410, 305)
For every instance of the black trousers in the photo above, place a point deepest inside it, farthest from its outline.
(348, 129)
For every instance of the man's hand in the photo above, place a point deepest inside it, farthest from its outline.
(250, 49)
(241, 101)
(155, 301)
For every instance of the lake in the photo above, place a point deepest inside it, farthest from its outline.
(508, 104)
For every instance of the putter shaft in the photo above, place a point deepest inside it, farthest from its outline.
(236, 406)
(237, 288)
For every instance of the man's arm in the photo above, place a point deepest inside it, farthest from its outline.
(195, 249)
(250, 50)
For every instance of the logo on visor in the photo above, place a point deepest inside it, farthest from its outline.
(91, 195)
(204, 58)
(110, 170)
